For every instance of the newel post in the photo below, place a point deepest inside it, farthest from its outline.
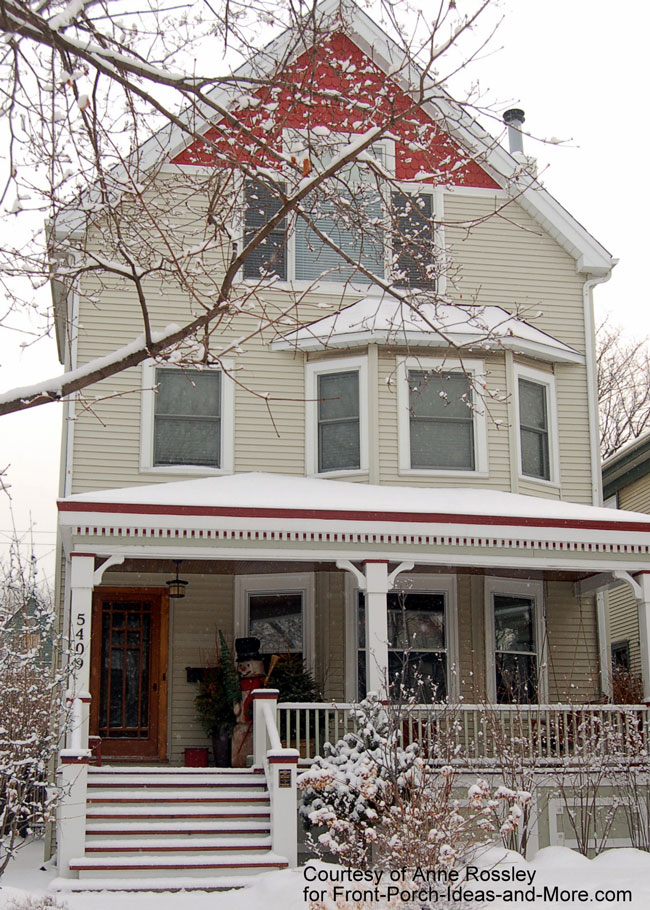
(281, 776)
(261, 698)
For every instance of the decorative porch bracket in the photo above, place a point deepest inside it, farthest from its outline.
(376, 583)
(640, 584)
(113, 560)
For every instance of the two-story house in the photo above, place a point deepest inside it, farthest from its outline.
(399, 476)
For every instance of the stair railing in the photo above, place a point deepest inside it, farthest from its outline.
(280, 766)
(72, 778)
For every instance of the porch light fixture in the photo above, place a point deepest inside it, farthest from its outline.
(177, 585)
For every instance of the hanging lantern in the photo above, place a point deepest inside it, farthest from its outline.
(177, 585)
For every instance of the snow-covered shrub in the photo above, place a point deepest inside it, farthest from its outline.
(386, 805)
(349, 787)
(30, 702)
(34, 902)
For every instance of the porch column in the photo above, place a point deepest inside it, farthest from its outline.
(377, 584)
(82, 569)
(643, 602)
(72, 773)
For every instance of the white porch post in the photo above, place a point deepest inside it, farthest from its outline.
(82, 570)
(643, 601)
(72, 773)
(377, 584)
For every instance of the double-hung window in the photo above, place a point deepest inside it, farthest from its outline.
(269, 258)
(186, 420)
(422, 640)
(412, 237)
(279, 611)
(336, 422)
(441, 421)
(536, 413)
(514, 625)
(348, 209)
(349, 228)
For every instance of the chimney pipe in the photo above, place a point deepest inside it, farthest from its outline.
(515, 119)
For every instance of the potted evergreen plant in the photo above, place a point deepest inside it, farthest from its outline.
(218, 690)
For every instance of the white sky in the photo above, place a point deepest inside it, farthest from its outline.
(579, 69)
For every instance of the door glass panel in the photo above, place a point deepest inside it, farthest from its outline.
(125, 670)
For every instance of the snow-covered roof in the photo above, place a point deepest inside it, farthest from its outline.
(383, 320)
(591, 257)
(311, 497)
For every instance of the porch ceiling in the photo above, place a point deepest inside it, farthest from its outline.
(272, 516)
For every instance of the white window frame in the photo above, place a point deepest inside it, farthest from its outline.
(475, 369)
(437, 203)
(312, 371)
(421, 584)
(548, 381)
(147, 414)
(289, 583)
(516, 587)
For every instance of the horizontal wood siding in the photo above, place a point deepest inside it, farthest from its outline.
(506, 260)
(572, 641)
(636, 496)
(623, 622)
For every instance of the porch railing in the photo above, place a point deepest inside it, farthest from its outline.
(467, 734)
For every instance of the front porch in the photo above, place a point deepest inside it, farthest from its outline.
(491, 600)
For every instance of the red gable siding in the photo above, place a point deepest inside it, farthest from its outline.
(340, 88)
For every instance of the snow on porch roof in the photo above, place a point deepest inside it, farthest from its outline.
(259, 495)
(382, 320)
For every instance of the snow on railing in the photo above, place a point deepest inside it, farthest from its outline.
(463, 734)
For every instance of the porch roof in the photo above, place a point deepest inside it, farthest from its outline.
(283, 504)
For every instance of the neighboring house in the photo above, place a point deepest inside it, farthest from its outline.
(423, 485)
(626, 485)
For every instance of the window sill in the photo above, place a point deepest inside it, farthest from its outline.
(549, 484)
(339, 475)
(339, 288)
(442, 472)
(184, 469)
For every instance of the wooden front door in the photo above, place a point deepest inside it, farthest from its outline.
(128, 679)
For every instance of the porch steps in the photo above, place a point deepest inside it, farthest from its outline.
(205, 828)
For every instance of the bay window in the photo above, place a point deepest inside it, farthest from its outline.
(336, 416)
(440, 421)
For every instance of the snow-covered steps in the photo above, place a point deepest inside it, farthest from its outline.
(174, 824)
(191, 865)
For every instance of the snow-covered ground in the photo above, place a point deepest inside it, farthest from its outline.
(559, 878)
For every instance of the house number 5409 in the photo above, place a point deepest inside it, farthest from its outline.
(79, 644)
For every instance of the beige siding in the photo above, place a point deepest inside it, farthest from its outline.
(572, 639)
(506, 260)
(623, 622)
(636, 496)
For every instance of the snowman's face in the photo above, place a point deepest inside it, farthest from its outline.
(248, 668)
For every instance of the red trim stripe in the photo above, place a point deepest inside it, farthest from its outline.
(344, 515)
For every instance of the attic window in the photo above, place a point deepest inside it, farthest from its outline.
(262, 202)
(413, 240)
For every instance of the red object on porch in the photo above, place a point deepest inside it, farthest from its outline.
(196, 758)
